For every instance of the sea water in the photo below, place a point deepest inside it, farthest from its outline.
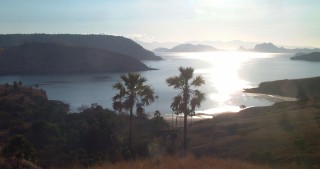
(226, 73)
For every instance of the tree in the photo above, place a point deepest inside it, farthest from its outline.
(19, 148)
(132, 91)
(157, 114)
(15, 84)
(188, 99)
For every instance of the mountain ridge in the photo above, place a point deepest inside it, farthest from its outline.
(46, 58)
(116, 44)
(271, 48)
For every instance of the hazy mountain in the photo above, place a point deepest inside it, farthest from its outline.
(241, 48)
(231, 45)
(271, 48)
(111, 43)
(187, 48)
(314, 56)
(154, 45)
(161, 50)
(42, 58)
(228, 45)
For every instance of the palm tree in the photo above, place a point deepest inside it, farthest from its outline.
(132, 92)
(188, 99)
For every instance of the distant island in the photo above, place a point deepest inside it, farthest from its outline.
(314, 56)
(44, 58)
(307, 88)
(187, 48)
(271, 48)
(115, 44)
(260, 47)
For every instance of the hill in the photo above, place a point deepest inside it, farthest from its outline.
(187, 48)
(43, 58)
(116, 44)
(314, 56)
(306, 88)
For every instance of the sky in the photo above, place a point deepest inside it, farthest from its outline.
(288, 22)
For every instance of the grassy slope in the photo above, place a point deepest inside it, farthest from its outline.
(285, 132)
(285, 135)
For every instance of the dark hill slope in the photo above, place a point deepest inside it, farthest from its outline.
(112, 43)
(306, 88)
(314, 56)
(42, 58)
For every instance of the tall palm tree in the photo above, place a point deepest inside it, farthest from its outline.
(132, 93)
(188, 99)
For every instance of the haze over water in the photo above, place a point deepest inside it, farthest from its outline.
(225, 73)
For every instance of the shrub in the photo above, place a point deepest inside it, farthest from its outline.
(285, 122)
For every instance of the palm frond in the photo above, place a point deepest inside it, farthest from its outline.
(176, 104)
(117, 85)
(147, 95)
(198, 81)
(196, 99)
(186, 73)
(175, 81)
(117, 106)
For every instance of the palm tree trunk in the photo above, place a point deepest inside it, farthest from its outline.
(185, 133)
(185, 112)
(176, 122)
(130, 129)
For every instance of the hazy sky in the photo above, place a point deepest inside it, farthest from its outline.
(288, 22)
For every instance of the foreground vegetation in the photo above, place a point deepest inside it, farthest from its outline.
(59, 138)
(35, 130)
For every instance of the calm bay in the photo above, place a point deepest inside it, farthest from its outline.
(226, 73)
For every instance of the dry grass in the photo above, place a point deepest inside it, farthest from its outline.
(271, 131)
(174, 162)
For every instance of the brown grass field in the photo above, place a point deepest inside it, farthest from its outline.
(174, 162)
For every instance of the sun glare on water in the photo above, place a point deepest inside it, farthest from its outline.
(223, 79)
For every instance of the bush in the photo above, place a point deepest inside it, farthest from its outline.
(285, 122)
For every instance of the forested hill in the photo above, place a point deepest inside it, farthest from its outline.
(44, 58)
(116, 44)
